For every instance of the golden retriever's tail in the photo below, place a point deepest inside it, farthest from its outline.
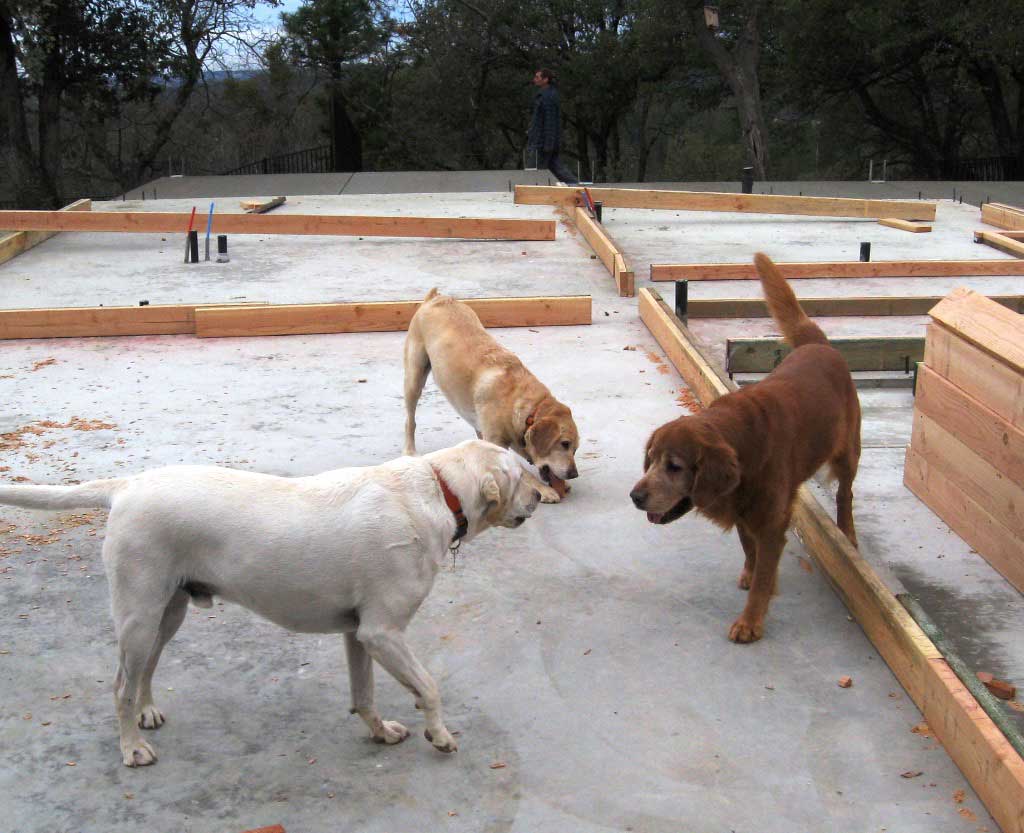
(432, 294)
(796, 327)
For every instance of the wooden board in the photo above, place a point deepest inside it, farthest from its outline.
(980, 428)
(606, 250)
(826, 307)
(977, 373)
(385, 316)
(985, 324)
(12, 245)
(762, 355)
(258, 207)
(87, 322)
(325, 224)
(967, 517)
(1002, 216)
(839, 269)
(906, 225)
(714, 201)
(952, 459)
(1002, 242)
(973, 741)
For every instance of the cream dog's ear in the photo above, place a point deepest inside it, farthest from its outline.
(489, 489)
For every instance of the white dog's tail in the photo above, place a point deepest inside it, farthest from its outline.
(431, 295)
(94, 494)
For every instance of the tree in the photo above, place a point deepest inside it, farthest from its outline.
(327, 36)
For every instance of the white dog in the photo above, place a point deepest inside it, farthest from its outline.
(351, 551)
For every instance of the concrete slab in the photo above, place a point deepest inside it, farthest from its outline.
(586, 652)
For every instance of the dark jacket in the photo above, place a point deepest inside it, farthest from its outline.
(545, 127)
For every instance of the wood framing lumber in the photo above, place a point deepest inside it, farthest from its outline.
(86, 322)
(956, 461)
(905, 225)
(839, 269)
(973, 741)
(12, 245)
(985, 324)
(827, 307)
(976, 372)
(762, 355)
(980, 428)
(384, 316)
(262, 207)
(969, 519)
(999, 688)
(714, 201)
(1002, 216)
(325, 224)
(606, 250)
(1002, 242)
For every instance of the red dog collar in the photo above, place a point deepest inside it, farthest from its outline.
(452, 502)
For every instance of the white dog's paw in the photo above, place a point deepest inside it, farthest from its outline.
(151, 717)
(549, 495)
(443, 742)
(137, 753)
(390, 732)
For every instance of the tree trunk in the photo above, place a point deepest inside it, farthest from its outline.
(986, 74)
(740, 70)
(348, 144)
(30, 187)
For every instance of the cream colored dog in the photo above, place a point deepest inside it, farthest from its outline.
(352, 551)
(489, 387)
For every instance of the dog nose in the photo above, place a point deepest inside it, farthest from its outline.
(638, 497)
(572, 474)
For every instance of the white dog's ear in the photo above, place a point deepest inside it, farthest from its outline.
(489, 489)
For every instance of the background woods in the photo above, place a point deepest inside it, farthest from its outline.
(97, 96)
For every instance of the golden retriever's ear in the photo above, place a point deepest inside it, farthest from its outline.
(718, 473)
(542, 435)
(647, 452)
(489, 489)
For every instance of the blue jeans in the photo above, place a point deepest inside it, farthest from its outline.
(550, 160)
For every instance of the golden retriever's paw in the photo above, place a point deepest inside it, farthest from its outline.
(443, 741)
(390, 732)
(137, 752)
(744, 581)
(549, 495)
(151, 717)
(745, 632)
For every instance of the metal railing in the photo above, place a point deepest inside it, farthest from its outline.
(988, 169)
(318, 160)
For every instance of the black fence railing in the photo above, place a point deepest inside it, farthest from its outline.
(318, 160)
(989, 169)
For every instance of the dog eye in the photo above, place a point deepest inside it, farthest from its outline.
(672, 467)
(566, 444)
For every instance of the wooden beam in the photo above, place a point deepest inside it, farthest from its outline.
(1002, 216)
(12, 245)
(1002, 242)
(839, 269)
(384, 316)
(828, 307)
(985, 324)
(973, 741)
(87, 322)
(981, 429)
(606, 250)
(762, 355)
(906, 225)
(324, 224)
(713, 201)
(954, 459)
(261, 207)
(977, 373)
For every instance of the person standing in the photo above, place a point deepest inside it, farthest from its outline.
(545, 135)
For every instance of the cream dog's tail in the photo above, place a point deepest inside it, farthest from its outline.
(797, 328)
(95, 494)
(431, 295)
